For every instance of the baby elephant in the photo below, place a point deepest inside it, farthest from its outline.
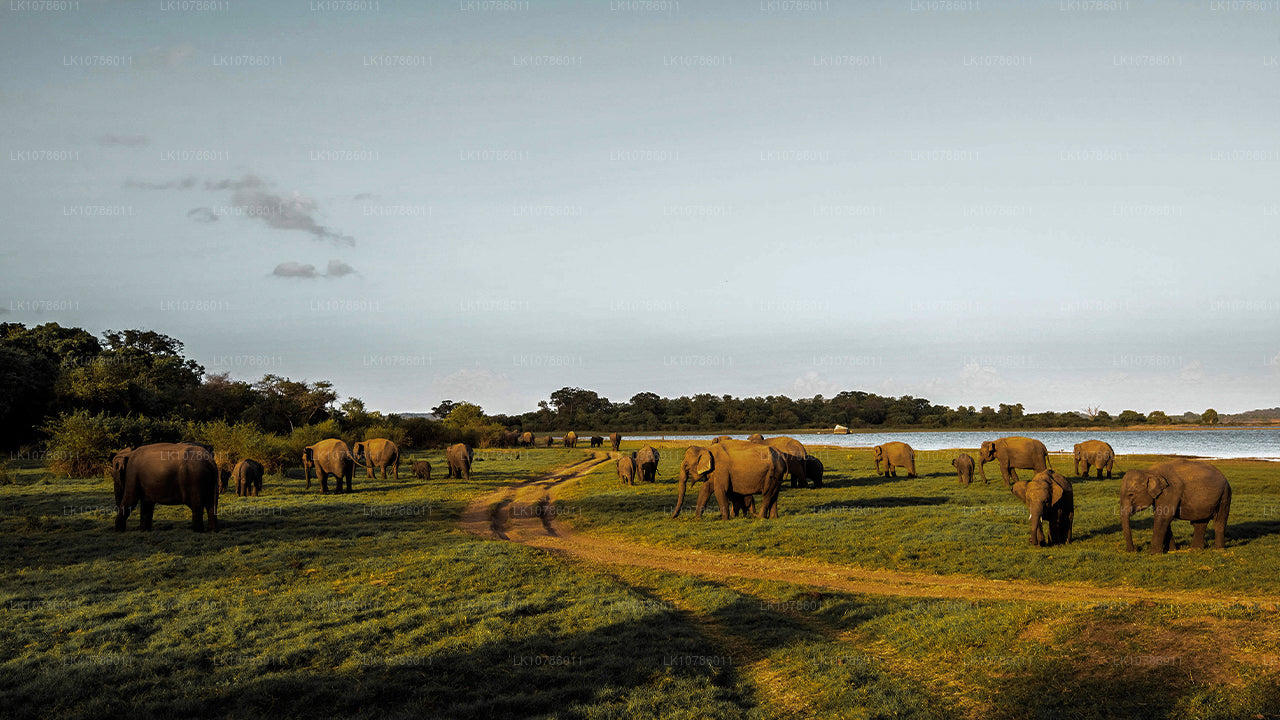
(248, 476)
(422, 470)
(964, 468)
(597, 441)
(1048, 496)
(627, 469)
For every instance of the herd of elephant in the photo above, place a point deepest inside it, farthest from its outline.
(735, 471)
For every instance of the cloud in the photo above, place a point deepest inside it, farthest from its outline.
(251, 195)
(202, 214)
(133, 141)
(336, 269)
(294, 270)
(364, 196)
(185, 183)
(810, 384)
(1192, 373)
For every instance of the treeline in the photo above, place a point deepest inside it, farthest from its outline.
(576, 408)
(75, 397)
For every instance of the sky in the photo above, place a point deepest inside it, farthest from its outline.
(1064, 204)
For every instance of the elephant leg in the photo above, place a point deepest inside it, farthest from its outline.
(704, 494)
(1099, 472)
(324, 480)
(1170, 545)
(1197, 534)
(1161, 532)
(148, 509)
(722, 497)
(122, 514)
(197, 518)
(1220, 527)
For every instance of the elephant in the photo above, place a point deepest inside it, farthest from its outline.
(329, 457)
(1177, 490)
(571, 439)
(422, 470)
(894, 455)
(793, 454)
(755, 438)
(378, 452)
(734, 470)
(248, 475)
(616, 440)
(508, 439)
(459, 457)
(1048, 496)
(526, 439)
(550, 441)
(647, 464)
(1013, 453)
(813, 470)
(597, 441)
(166, 474)
(627, 469)
(721, 438)
(1096, 453)
(963, 464)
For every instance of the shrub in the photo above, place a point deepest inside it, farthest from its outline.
(80, 443)
(393, 433)
(234, 442)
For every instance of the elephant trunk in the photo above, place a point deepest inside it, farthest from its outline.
(684, 481)
(1125, 512)
(1035, 515)
(982, 468)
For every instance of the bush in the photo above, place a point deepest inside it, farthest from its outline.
(310, 435)
(80, 443)
(234, 442)
(393, 433)
(421, 433)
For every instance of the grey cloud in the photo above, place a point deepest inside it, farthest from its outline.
(251, 194)
(185, 183)
(364, 196)
(202, 214)
(336, 269)
(294, 270)
(132, 141)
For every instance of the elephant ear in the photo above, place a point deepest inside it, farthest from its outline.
(954, 461)
(705, 463)
(1058, 491)
(877, 451)
(1156, 484)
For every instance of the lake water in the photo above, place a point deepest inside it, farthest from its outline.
(1221, 443)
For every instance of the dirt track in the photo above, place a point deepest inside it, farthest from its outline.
(520, 513)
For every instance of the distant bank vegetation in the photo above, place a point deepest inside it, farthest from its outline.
(71, 397)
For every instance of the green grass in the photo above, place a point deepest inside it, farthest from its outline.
(931, 524)
(375, 605)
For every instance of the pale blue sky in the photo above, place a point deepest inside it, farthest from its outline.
(1059, 207)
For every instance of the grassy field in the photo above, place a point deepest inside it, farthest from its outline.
(375, 605)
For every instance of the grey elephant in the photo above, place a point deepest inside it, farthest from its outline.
(380, 453)
(459, 458)
(597, 441)
(894, 455)
(647, 464)
(813, 469)
(571, 439)
(248, 476)
(166, 474)
(615, 440)
(1096, 453)
(1048, 496)
(329, 457)
(1177, 490)
(526, 439)
(733, 470)
(1013, 453)
(627, 469)
(963, 464)
(422, 470)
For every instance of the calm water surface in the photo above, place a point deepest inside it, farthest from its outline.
(1223, 443)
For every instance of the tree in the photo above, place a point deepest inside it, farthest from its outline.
(570, 403)
(286, 404)
(442, 410)
(1158, 417)
(1130, 417)
(1209, 417)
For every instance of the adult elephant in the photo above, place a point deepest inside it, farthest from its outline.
(459, 457)
(1096, 453)
(508, 439)
(248, 476)
(755, 438)
(597, 441)
(894, 455)
(647, 464)
(526, 439)
(422, 470)
(1048, 496)
(963, 464)
(794, 455)
(378, 452)
(550, 441)
(1177, 490)
(329, 457)
(627, 469)
(571, 439)
(1013, 453)
(615, 440)
(166, 474)
(734, 470)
